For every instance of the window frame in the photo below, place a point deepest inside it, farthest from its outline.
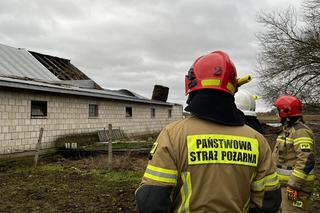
(169, 113)
(128, 109)
(153, 112)
(36, 105)
(93, 112)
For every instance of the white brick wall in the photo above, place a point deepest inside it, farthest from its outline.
(68, 115)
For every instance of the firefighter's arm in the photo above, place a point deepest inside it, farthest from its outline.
(159, 179)
(304, 148)
(265, 187)
(152, 198)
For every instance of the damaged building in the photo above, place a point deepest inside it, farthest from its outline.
(43, 91)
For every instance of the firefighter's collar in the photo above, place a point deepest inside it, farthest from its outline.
(216, 106)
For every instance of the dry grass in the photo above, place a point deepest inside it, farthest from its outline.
(264, 117)
(62, 185)
(119, 162)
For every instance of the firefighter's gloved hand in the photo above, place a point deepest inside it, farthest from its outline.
(292, 193)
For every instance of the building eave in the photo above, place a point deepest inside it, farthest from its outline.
(46, 87)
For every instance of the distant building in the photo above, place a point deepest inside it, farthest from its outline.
(38, 90)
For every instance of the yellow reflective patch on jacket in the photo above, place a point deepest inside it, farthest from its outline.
(305, 146)
(154, 147)
(298, 203)
(224, 149)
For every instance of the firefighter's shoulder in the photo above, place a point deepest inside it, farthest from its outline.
(300, 126)
(180, 124)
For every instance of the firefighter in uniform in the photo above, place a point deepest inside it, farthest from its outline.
(210, 161)
(293, 156)
(246, 102)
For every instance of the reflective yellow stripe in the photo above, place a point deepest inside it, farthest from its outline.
(186, 192)
(159, 169)
(222, 149)
(217, 82)
(246, 206)
(154, 147)
(310, 178)
(302, 175)
(210, 82)
(303, 139)
(252, 177)
(160, 179)
(299, 142)
(304, 142)
(161, 174)
(282, 141)
(268, 181)
(231, 88)
(284, 175)
(287, 140)
(299, 174)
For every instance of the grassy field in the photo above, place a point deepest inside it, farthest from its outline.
(60, 184)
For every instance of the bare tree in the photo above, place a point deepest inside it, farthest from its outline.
(289, 60)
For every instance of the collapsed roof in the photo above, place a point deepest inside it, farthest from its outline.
(30, 70)
(62, 68)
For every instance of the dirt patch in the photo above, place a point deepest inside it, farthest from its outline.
(61, 185)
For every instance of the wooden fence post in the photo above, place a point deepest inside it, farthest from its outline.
(110, 146)
(38, 146)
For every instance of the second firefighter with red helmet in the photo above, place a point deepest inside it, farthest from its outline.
(294, 156)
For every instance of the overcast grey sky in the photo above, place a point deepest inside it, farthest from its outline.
(135, 44)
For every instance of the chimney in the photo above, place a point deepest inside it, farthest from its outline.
(160, 93)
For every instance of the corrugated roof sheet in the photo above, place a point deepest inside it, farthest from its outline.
(16, 62)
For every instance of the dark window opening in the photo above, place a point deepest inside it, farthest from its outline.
(169, 113)
(153, 112)
(93, 111)
(39, 108)
(128, 112)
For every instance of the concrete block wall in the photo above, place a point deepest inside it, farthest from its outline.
(68, 114)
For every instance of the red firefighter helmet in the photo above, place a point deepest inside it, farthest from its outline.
(288, 106)
(212, 71)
